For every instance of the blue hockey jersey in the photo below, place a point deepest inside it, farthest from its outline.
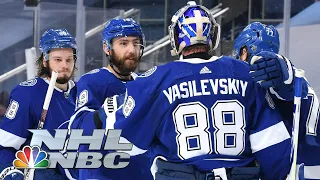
(92, 90)
(24, 112)
(205, 113)
(309, 138)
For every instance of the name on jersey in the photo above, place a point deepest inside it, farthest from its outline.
(205, 87)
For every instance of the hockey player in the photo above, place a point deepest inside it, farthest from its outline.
(275, 73)
(123, 43)
(202, 117)
(59, 53)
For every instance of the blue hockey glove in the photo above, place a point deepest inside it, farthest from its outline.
(271, 70)
(275, 72)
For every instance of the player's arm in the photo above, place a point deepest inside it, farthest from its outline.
(13, 129)
(139, 116)
(276, 73)
(269, 138)
(90, 97)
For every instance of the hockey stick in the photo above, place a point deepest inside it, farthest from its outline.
(29, 173)
(299, 75)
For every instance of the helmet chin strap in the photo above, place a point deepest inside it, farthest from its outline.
(119, 73)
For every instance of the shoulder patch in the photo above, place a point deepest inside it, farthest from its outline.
(149, 72)
(30, 82)
(82, 99)
(12, 110)
(128, 106)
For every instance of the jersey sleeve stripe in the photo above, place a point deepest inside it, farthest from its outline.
(135, 150)
(312, 172)
(10, 140)
(270, 136)
(85, 108)
(272, 91)
(111, 119)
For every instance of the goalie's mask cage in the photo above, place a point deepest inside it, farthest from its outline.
(55, 39)
(193, 24)
(256, 37)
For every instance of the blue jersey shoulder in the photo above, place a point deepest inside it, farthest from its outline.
(216, 66)
(99, 77)
(30, 89)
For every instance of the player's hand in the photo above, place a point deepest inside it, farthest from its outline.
(110, 105)
(271, 70)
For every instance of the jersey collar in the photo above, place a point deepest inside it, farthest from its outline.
(198, 60)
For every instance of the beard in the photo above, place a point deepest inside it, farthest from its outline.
(124, 65)
(63, 80)
(60, 80)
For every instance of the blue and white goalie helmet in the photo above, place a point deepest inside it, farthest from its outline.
(193, 24)
(121, 28)
(55, 39)
(257, 37)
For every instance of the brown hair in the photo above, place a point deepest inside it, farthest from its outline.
(196, 48)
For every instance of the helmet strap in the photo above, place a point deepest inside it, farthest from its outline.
(123, 77)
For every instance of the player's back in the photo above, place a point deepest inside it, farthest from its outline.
(209, 114)
(206, 102)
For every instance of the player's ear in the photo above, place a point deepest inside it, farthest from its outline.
(243, 51)
(44, 62)
(105, 49)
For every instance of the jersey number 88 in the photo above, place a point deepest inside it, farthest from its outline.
(192, 127)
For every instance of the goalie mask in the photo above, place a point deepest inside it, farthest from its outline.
(257, 37)
(193, 24)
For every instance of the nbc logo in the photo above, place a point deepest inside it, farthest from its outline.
(31, 157)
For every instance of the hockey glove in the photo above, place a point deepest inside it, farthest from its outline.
(110, 105)
(276, 72)
(271, 70)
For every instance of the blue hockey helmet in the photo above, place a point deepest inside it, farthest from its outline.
(193, 24)
(257, 37)
(121, 28)
(55, 39)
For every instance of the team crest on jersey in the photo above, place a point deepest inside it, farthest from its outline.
(82, 99)
(12, 110)
(30, 82)
(149, 72)
(128, 106)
